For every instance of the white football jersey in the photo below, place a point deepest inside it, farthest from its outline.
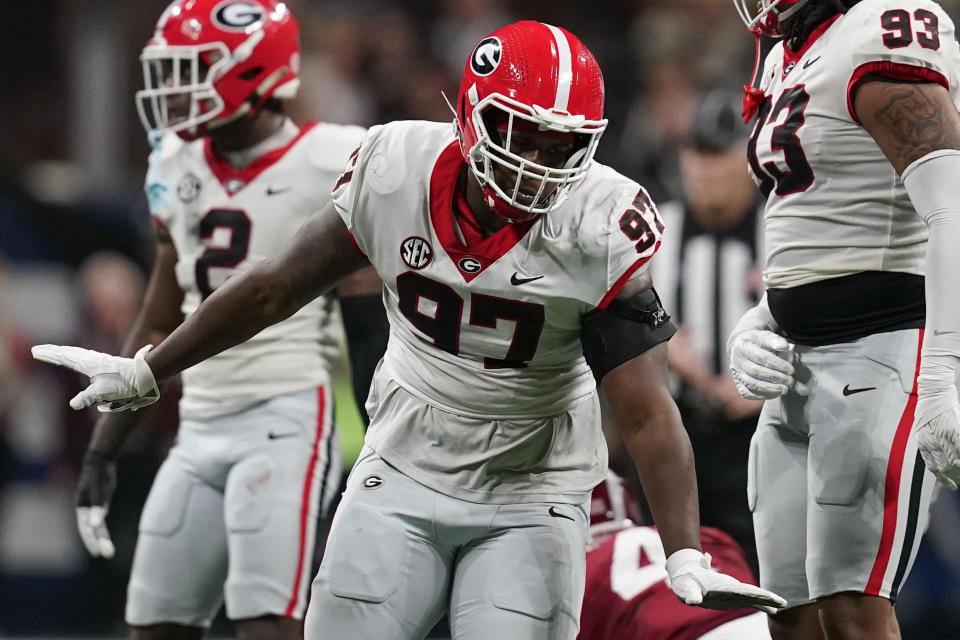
(223, 220)
(835, 204)
(491, 332)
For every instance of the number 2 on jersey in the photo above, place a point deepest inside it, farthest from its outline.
(440, 318)
(799, 175)
(225, 257)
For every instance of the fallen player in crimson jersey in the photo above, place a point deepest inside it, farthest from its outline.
(627, 596)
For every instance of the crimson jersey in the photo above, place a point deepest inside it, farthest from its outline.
(627, 597)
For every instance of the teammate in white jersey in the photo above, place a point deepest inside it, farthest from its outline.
(511, 264)
(232, 512)
(856, 145)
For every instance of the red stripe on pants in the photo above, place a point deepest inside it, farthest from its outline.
(891, 486)
(305, 504)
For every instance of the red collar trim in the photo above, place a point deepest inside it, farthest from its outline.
(443, 185)
(226, 173)
(791, 58)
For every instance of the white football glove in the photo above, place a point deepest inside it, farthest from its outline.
(760, 364)
(116, 384)
(92, 525)
(696, 584)
(937, 419)
(98, 479)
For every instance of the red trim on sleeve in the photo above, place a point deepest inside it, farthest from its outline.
(894, 71)
(158, 223)
(891, 485)
(353, 241)
(622, 280)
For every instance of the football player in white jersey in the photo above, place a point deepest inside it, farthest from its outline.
(511, 264)
(232, 512)
(856, 145)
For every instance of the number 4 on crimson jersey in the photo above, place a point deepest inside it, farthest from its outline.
(500, 318)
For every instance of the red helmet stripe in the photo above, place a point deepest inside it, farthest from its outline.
(565, 68)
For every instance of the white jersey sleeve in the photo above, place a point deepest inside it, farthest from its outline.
(223, 220)
(911, 41)
(160, 192)
(349, 196)
(835, 205)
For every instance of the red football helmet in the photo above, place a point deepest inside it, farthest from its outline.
(763, 17)
(613, 507)
(533, 77)
(210, 62)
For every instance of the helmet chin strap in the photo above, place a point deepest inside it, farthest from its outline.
(503, 210)
(783, 15)
(575, 158)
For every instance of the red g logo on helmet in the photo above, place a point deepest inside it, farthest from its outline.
(486, 56)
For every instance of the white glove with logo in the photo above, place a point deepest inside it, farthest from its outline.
(760, 360)
(696, 584)
(937, 420)
(116, 384)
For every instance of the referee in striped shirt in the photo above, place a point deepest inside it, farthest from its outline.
(708, 273)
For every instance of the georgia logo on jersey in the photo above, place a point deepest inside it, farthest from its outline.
(416, 252)
(469, 264)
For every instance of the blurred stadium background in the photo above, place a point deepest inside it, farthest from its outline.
(75, 236)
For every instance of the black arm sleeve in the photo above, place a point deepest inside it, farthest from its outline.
(624, 330)
(365, 323)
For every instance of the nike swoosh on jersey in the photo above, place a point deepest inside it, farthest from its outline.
(515, 279)
(272, 191)
(847, 391)
(810, 62)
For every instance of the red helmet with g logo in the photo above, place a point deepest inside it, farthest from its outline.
(210, 62)
(763, 17)
(528, 76)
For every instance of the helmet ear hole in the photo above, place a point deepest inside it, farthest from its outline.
(250, 74)
(492, 120)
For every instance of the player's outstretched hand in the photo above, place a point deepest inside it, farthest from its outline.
(98, 479)
(760, 364)
(116, 384)
(696, 584)
(938, 439)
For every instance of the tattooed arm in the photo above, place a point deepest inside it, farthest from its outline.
(321, 255)
(908, 121)
(918, 128)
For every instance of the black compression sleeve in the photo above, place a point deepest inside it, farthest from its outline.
(624, 330)
(365, 323)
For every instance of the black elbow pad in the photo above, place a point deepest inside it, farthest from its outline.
(624, 330)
